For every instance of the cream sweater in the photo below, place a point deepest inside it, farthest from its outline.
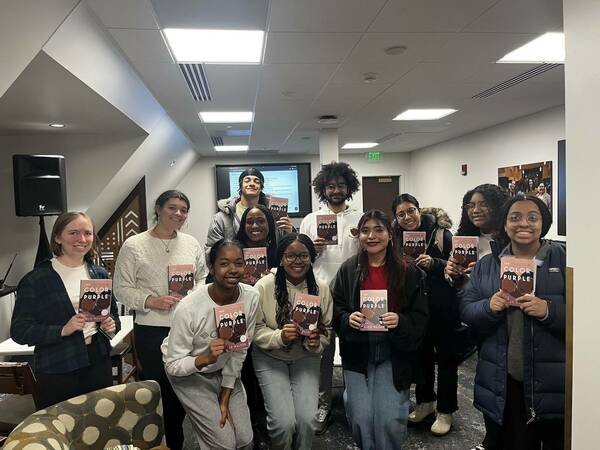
(192, 330)
(141, 271)
(268, 336)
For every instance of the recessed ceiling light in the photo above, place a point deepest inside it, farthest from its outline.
(231, 148)
(548, 48)
(215, 46)
(425, 114)
(360, 145)
(56, 125)
(226, 116)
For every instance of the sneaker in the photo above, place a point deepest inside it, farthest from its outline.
(421, 412)
(442, 424)
(323, 419)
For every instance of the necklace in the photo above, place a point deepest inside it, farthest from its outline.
(165, 242)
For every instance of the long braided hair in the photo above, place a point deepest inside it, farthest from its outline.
(284, 305)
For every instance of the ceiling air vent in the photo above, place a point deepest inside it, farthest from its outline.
(216, 140)
(387, 137)
(196, 81)
(516, 80)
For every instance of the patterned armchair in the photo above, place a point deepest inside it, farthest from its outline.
(123, 414)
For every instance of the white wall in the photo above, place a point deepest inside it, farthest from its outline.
(582, 80)
(91, 161)
(435, 177)
(199, 183)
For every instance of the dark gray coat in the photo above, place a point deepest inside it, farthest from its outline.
(543, 340)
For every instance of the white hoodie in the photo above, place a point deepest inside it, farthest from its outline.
(329, 261)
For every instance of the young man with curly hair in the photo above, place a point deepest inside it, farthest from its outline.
(334, 184)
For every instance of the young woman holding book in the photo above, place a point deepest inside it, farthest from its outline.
(520, 378)
(141, 282)
(205, 374)
(72, 356)
(444, 320)
(287, 360)
(481, 217)
(379, 366)
(258, 229)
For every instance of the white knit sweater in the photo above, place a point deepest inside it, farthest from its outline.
(192, 330)
(141, 271)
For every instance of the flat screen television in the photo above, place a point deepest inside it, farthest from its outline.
(291, 181)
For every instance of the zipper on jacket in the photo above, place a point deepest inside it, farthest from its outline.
(531, 408)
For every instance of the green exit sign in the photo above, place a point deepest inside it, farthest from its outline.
(374, 156)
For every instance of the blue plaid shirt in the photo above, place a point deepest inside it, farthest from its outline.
(41, 311)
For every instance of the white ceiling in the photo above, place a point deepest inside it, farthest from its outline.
(45, 92)
(317, 52)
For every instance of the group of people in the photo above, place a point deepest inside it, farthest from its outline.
(519, 383)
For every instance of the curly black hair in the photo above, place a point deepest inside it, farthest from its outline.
(495, 197)
(271, 242)
(284, 305)
(333, 170)
(502, 237)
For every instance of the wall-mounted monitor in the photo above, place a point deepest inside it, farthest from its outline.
(291, 181)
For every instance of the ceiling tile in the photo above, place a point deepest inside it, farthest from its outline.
(518, 16)
(323, 15)
(429, 15)
(309, 48)
(125, 13)
(142, 45)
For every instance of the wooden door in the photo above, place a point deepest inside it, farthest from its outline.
(379, 192)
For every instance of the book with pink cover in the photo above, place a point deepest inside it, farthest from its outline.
(305, 313)
(181, 279)
(278, 207)
(413, 243)
(373, 303)
(465, 249)
(94, 299)
(517, 277)
(256, 264)
(231, 326)
(327, 228)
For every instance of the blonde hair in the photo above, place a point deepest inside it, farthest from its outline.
(59, 226)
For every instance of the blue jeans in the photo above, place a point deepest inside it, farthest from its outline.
(376, 411)
(291, 393)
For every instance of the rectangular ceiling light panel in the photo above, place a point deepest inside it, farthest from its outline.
(360, 145)
(231, 148)
(226, 116)
(547, 49)
(425, 114)
(215, 46)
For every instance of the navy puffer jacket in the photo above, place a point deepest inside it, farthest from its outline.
(543, 340)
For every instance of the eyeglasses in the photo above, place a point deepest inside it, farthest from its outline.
(531, 218)
(481, 205)
(291, 257)
(409, 212)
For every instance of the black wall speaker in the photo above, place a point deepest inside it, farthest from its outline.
(40, 185)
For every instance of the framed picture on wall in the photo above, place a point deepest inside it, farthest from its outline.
(531, 179)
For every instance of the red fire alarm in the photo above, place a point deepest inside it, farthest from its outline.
(463, 170)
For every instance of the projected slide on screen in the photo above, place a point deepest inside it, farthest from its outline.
(280, 181)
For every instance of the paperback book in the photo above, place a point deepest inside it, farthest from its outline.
(373, 303)
(327, 228)
(465, 249)
(181, 280)
(231, 326)
(517, 277)
(94, 299)
(305, 313)
(413, 243)
(278, 207)
(256, 264)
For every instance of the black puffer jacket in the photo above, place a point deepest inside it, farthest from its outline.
(443, 302)
(404, 340)
(543, 340)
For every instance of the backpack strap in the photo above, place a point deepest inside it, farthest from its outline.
(439, 239)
